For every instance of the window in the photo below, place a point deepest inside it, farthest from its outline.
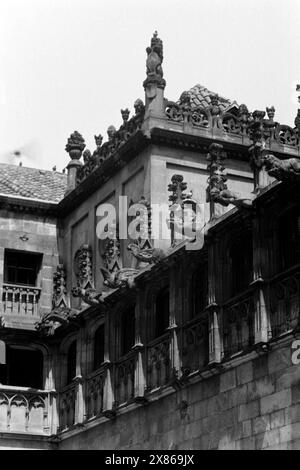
(127, 330)
(241, 257)
(99, 347)
(289, 239)
(162, 307)
(71, 362)
(199, 291)
(21, 268)
(24, 368)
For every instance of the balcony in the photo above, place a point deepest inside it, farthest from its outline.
(25, 410)
(285, 301)
(238, 323)
(20, 303)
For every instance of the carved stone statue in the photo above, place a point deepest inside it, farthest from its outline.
(283, 170)
(90, 296)
(154, 69)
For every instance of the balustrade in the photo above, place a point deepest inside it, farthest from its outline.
(238, 323)
(158, 362)
(20, 300)
(285, 301)
(124, 379)
(24, 410)
(94, 390)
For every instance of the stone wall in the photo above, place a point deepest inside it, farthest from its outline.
(253, 405)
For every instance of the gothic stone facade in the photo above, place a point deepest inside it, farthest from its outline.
(110, 344)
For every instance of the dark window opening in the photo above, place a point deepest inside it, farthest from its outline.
(99, 347)
(127, 330)
(162, 307)
(241, 255)
(289, 239)
(21, 268)
(71, 362)
(24, 368)
(199, 291)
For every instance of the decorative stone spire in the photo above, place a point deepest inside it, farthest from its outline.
(257, 135)
(59, 287)
(154, 83)
(74, 148)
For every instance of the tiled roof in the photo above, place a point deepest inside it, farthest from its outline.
(200, 97)
(32, 183)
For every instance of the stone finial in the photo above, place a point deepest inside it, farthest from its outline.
(139, 107)
(270, 113)
(177, 187)
(185, 99)
(125, 115)
(98, 140)
(111, 132)
(75, 145)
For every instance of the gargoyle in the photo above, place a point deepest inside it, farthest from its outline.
(55, 319)
(118, 278)
(283, 170)
(227, 197)
(90, 296)
(146, 255)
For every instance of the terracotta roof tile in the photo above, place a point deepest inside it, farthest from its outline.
(32, 183)
(200, 97)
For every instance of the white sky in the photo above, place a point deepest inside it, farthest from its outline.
(73, 64)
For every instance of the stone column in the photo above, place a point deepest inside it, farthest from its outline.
(175, 308)
(261, 315)
(108, 393)
(139, 371)
(213, 309)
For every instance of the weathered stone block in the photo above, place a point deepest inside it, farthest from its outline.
(227, 380)
(277, 419)
(260, 367)
(261, 424)
(249, 410)
(279, 359)
(244, 373)
(276, 401)
(267, 439)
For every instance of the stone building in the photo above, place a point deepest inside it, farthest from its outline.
(155, 343)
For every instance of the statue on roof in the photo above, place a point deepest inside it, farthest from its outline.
(154, 69)
(283, 170)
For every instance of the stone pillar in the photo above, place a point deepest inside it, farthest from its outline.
(108, 393)
(79, 404)
(261, 315)
(213, 309)
(175, 307)
(139, 371)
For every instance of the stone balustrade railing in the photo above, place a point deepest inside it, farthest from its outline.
(233, 122)
(285, 301)
(20, 300)
(24, 410)
(238, 323)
